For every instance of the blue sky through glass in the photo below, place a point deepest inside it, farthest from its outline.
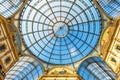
(94, 68)
(60, 31)
(25, 69)
(111, 7)
(9, 7)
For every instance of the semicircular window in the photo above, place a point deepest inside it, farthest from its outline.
(9, 7)
(60, 31)
(111, 7)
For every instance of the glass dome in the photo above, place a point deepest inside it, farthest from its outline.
(60, 31)
(94, 68)
(111, 7)
(26, 68)
(9, 7)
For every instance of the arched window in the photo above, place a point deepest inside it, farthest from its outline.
(95, 69)
(25, 69)
(111, 7)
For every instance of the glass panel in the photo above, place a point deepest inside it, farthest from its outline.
(26, 68)
(94, 68)
(9, 7)
(52, 29)
(111, 7)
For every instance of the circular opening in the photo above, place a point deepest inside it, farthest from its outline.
(60, 29)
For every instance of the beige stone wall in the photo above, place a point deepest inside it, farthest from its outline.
(8, 55)
(112, 53)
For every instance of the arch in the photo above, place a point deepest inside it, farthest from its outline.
(26, 68)
(110, 7)
(60, 73)
(94, 68)
(9, 7)
(61, 69)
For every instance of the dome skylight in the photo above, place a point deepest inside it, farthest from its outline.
(60, 31)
